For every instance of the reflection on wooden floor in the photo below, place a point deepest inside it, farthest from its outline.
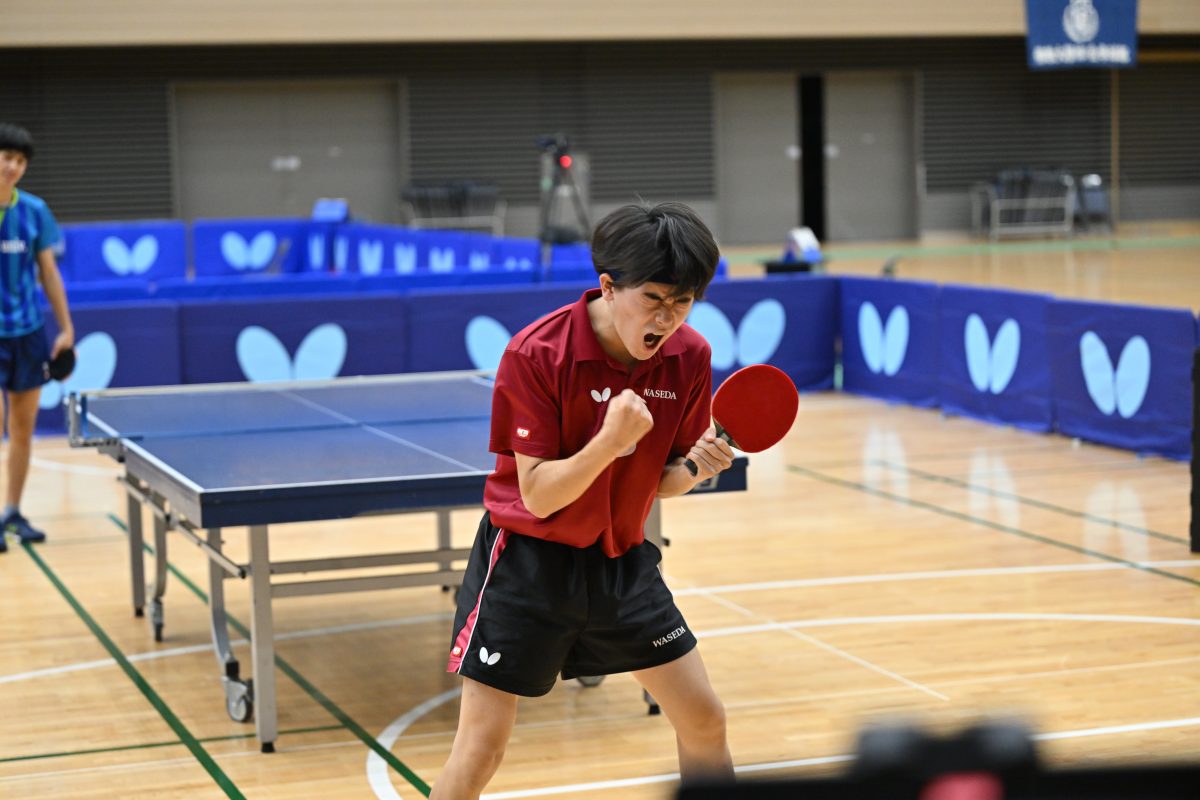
(888, 562)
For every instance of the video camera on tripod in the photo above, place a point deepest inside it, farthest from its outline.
(560, 189)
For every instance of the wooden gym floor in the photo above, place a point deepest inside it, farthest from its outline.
(888, 563)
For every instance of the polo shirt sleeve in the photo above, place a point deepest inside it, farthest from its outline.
(48, 233)
(526, 417)
(697, 415)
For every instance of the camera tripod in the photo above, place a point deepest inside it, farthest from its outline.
(556, 189)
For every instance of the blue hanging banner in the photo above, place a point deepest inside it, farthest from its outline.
(1081, 33)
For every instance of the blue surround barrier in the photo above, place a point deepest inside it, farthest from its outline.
(350, 298)
(130, 253)
(994, 361)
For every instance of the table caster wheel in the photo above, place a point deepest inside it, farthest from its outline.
(239, 700)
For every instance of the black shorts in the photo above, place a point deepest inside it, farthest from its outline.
(529, 609)
(23, 361)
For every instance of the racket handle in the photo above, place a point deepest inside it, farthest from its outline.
(721, 434)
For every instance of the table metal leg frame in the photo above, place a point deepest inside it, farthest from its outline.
(137, 568)
(262, 638)
(160, 572)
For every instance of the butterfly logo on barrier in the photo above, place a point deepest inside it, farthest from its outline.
(125, 260)
(316, 252)
(883, 346)
(441, 259)
(406, 258)
(96, 361)
(1122, 389)
(252, 255)
(513, 264)
(479, 261)
(486, 339)
(370, 257)
(263, 357)
(754, 342)
(992, 363)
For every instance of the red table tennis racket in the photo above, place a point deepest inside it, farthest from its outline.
(754, 408)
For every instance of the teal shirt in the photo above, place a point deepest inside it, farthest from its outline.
(26, 229)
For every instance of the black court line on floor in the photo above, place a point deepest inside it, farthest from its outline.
(316, 694)
(946, 512)
(1029, 501)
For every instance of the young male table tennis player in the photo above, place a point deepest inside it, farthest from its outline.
(596, 407)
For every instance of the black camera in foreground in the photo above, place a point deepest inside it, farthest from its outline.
(992, 761)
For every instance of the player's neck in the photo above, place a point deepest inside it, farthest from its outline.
(600, 315)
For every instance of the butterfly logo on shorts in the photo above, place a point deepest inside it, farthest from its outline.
(487, 658)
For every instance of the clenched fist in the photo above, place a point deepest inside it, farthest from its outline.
(626, 421)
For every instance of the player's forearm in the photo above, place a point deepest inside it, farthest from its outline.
(677, 479)
(56, 293)
(553, 485)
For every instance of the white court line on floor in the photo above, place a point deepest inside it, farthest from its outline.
(841, 580)
(378, 771)
(837, 651)
(76, 469)
(741, 587)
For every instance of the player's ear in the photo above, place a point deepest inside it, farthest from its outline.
(606, 285)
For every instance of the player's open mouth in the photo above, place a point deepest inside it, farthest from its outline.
(651, 340)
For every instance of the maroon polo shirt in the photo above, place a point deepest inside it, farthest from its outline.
(552, 388)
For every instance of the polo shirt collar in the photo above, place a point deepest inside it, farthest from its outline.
(586, 346)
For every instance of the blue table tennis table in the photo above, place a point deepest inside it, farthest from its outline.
(208, 457)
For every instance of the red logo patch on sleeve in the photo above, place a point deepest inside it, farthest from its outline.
(522, 433)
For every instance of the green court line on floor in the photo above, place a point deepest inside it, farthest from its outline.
(1070, 512)
(185, 736)
(155, 745)
(341, 716)
(947, 512)
(834, 253)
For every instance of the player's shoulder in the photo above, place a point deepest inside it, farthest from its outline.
(544, 336)
(32, 201)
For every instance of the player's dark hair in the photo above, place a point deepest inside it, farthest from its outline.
(666, 243)
(14, 137)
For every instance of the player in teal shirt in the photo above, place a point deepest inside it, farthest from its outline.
(28, 238)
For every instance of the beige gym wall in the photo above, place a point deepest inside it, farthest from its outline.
(81, 23)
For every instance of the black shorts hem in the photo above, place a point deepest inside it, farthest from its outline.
(498, 682)
(664, 657)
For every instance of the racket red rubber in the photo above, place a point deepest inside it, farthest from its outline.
(754, 408)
